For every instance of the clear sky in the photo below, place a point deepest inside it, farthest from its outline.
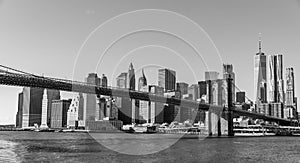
(48, 37)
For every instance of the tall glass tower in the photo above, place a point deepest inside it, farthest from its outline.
(260, 76)
(276, 79)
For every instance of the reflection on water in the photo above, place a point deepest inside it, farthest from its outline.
(81, 147)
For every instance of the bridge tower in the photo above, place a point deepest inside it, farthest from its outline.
(229, 109)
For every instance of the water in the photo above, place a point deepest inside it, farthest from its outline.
(82, 147)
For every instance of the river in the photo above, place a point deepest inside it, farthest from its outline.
(84, 147)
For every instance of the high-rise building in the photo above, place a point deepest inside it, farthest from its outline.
(131, 78)
(276, 79)
(167, 79)
(211, 75)
(240, 97)
(59, 113)
(157, 108)
(32, 106)
(228, 73)
(142, 81)
(171, 112)
(202, 88)
(104, 81)
(73, 112)
(290, 87)
(144, 110)
(290, 102)
(20, 111)
(51, 95)
(122, 80)
(193, 91)
(126, 105)
(260, 76)
(90, 100)
(182, 87)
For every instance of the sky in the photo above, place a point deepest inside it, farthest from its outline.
(69, 39)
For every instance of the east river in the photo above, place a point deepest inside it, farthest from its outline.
(115, 147)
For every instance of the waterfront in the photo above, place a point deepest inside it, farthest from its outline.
(82, 147)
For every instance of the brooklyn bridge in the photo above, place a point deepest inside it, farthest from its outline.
(222, 116)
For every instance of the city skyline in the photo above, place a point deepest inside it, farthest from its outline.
(46, 47)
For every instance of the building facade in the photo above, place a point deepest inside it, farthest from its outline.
(167, 79)
(228, 73)
(59, 113)
(276, 79)
(260, 77)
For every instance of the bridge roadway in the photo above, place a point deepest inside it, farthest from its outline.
(30, 80)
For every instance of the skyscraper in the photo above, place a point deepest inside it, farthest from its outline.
(90, 100)
(290, 87)
(182, 87)
(260, 77)
(131, 78)
(193, 91)
(31, 106)
(51, 95)
(290, 102)
(104, 81)
(240, 97)
(167, 79)
(142, 81)
(276, 79)
(157, 108)
(211, 75)
(122, 80)
(228, 72)
(59, 113)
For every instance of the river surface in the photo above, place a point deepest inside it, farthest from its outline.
(84, 147)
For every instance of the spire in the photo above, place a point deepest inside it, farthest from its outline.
(144, 77)
(130, 66)
(259, 43)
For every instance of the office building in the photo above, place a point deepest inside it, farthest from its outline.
(260, 76)
(211, 75)
(51, 95)
(104, 81)
(20, 111)
(276, 79)
(59, 113)
(171, 112)
(122, 80)
(228, 73)
(31, 106)
(90, 100)
(142, 81)
(144, 109)
(193, 91)
(167, 79)
(74, 112)
(131, 78)
(182, 87)
(202, 88)
(291, 100)
(157, 108)
(240, 97)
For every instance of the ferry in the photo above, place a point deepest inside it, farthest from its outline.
(253, 130)
(133, 128)
(145, 129)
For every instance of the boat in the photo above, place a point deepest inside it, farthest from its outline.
(145, 129)
(74, 130)
(253, 130)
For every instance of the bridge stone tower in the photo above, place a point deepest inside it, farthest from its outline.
(219, 119)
